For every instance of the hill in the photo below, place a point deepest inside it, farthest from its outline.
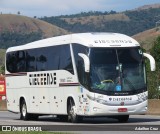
(23, 24)
(157, 5)
(127, 22)
(147, 38)
(18, 30)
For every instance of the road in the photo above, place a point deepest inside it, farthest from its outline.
(50, 123)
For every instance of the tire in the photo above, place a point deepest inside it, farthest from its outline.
(123, 118)
(72, 115)
(23, 111)
(63, 117)
(33, 116)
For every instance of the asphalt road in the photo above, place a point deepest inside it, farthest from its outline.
(141, 123)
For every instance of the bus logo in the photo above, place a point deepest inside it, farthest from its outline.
(42, 79)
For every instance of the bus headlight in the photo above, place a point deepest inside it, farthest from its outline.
(97, 100)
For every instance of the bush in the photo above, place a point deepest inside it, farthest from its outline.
(153, 78)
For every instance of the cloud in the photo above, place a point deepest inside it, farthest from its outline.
(59, 7)
(52, 6)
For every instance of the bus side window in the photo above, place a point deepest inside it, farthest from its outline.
(41, 59)
(65, 59)
(52, 57)
(11, 62)
(31, 60)
(21, 62)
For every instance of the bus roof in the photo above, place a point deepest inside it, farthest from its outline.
(86, 39)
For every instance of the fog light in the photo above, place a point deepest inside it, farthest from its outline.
(146, 108)
(94, 109)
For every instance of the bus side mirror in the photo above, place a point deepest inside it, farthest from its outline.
(86, 61)
(152, 61)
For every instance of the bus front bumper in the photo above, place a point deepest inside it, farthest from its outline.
(97, 109)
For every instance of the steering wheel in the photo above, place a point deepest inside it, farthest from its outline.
(104, 81)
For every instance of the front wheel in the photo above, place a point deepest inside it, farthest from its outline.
(72, 115)
(63, 117)
(23, 111)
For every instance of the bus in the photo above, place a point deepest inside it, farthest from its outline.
(78, 75)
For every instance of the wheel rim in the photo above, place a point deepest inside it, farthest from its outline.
(72, 112)
(24, 110)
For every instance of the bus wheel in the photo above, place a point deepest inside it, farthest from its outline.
(63, 117)
(72, 115)
(23, 111)
(33, 116)
(123, 118)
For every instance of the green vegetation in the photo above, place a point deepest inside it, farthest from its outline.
(138, 21)
(154, 77)
(2, 58)
(9, 39)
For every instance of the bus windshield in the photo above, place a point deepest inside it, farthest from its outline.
(117, 70)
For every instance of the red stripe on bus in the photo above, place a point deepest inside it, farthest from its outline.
(16, 74)
(68, 84)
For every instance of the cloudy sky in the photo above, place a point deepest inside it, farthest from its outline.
(42, 8)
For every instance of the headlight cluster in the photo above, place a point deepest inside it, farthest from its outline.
(142, 96)
(97, 100)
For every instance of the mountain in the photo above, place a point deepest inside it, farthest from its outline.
(127, 22)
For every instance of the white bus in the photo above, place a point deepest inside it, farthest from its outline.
(78, 75)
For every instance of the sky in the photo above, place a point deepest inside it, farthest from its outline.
(41, 8)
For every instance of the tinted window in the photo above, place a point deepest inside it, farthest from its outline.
(40, 59)
(103, 56)
(11, 62)
(77, 48)
(21, 61)
(65, 59)
(82, 75)
(53, 57)
(31, 60)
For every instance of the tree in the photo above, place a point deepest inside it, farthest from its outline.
(154, 77)
(18, 13)
(2, 69)
(155, 51)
